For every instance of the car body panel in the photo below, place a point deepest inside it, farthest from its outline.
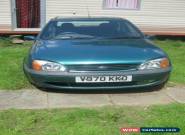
(66, 80)
(95, 51)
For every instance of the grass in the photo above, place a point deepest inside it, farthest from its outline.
(176, 52)
(99, 121)
(11, 58)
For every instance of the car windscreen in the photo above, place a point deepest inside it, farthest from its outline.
(75, 29)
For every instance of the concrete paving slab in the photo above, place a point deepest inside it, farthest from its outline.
(37, 99)
(177, 93)
(24, 99)
(58, 100)
(142, 99)
(7, 99)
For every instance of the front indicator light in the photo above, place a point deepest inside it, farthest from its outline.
(164, 63)
(36, 65)
(40, 65)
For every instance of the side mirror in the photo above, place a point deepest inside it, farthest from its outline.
(150, 37)
(30, 38)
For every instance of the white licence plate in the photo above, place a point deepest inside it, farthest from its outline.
(99, 79)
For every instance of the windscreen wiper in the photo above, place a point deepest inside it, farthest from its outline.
(73, 36)
(124, 37)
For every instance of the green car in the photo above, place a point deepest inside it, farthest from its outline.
(95, 53)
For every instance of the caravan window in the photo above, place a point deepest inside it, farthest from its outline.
(122, 4)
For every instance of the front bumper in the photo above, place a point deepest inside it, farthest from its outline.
(66, 80)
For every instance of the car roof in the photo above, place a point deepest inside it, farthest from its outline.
(87, 18)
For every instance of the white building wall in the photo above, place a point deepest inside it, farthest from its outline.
(5, 12)
(65, 8)
(166, 13)
(152, 13)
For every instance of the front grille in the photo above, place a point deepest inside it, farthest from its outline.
(99, 85)
(101, 67)
(92, 84)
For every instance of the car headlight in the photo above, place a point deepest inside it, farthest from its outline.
(41, 65)
(155, 64)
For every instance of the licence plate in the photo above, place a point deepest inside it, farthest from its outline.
(99, 79)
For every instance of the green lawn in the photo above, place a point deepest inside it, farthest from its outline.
(11, 57)
(97, 121)
(176, 52)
